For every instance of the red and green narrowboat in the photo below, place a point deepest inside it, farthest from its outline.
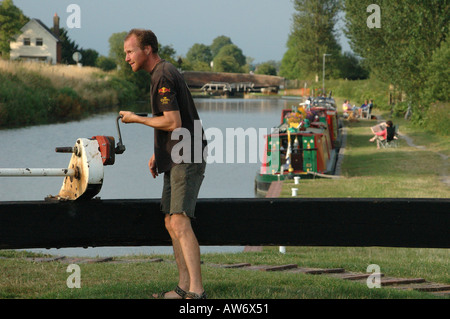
(305, 144)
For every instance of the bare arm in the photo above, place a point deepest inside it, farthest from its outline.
(169, 121)
(152, 166)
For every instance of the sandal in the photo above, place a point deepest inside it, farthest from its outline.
(180, 292)
(193, 295)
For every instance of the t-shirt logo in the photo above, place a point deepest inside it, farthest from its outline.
(165, 101)
(163, 90)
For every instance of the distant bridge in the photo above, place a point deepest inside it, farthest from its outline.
(232, 82)
(228, 88)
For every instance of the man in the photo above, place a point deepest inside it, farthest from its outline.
(173, 110)
(363, 107)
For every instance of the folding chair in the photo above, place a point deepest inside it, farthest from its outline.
(365, 113)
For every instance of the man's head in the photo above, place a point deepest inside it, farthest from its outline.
(140, 48)
(389, 123)
(144, 38)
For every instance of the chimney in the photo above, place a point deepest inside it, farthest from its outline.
(58, 44)
(56, 25)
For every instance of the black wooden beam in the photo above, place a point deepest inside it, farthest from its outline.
(289, 222)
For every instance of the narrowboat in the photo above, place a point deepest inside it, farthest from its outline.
(305, 144)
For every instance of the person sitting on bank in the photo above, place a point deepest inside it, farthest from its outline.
(363, 107)
(387, 134)
(370, 106)
(346, 107)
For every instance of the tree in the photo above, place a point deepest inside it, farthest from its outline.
(290, 64)
(167, 52)
(229, 59)
(199, 53)
(350, 67)
(399, 51)
(116, 52)
(437, 85)
(68, 47)
(89, 57)
(226, 63)
(105, 63)
(218, 43)
(267, 68)
(233, 51)
(312, 35)
(11, 21)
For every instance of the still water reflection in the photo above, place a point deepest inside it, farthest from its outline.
(129, 178)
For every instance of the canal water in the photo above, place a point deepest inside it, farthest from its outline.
(129, 178)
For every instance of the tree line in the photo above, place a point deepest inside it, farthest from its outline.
(222, 55)
(407, 48)
(401, 43)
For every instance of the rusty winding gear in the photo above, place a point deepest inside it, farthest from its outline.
(87, 163)
(83, 178)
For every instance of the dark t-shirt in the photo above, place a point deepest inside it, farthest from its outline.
(169, 92)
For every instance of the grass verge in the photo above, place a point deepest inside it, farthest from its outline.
(404, 172)
(22, 278)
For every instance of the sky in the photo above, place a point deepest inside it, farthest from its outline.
(259, 27)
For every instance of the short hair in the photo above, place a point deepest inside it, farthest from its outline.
(390, 123)
(145, 38)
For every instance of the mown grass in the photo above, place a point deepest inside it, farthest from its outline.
(23, 278)
(368, 172)
(403, 172)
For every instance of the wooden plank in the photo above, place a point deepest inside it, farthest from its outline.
(46, 260)
(422, 223)
(360, 276)
(89, 260)
(401, 281)
(240, 265)
(280, 267)
(318, 271)
(428, 287)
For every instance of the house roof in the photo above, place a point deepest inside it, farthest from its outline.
(39, 22)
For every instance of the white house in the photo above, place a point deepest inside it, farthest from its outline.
(37, 42)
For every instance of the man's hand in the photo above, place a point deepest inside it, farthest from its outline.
(169, 121)
(128, 117)
(152, 166)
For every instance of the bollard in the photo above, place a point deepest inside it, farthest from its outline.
(296, 180)
(294, 191)
(282, 249)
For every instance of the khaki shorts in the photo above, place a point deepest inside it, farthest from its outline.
(181, 186)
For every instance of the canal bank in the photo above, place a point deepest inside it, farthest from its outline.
(127, 178)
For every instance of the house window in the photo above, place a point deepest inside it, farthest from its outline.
(26, 41)
(39, 42)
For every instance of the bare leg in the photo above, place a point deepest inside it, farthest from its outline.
(181, 228)
(183, 274)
